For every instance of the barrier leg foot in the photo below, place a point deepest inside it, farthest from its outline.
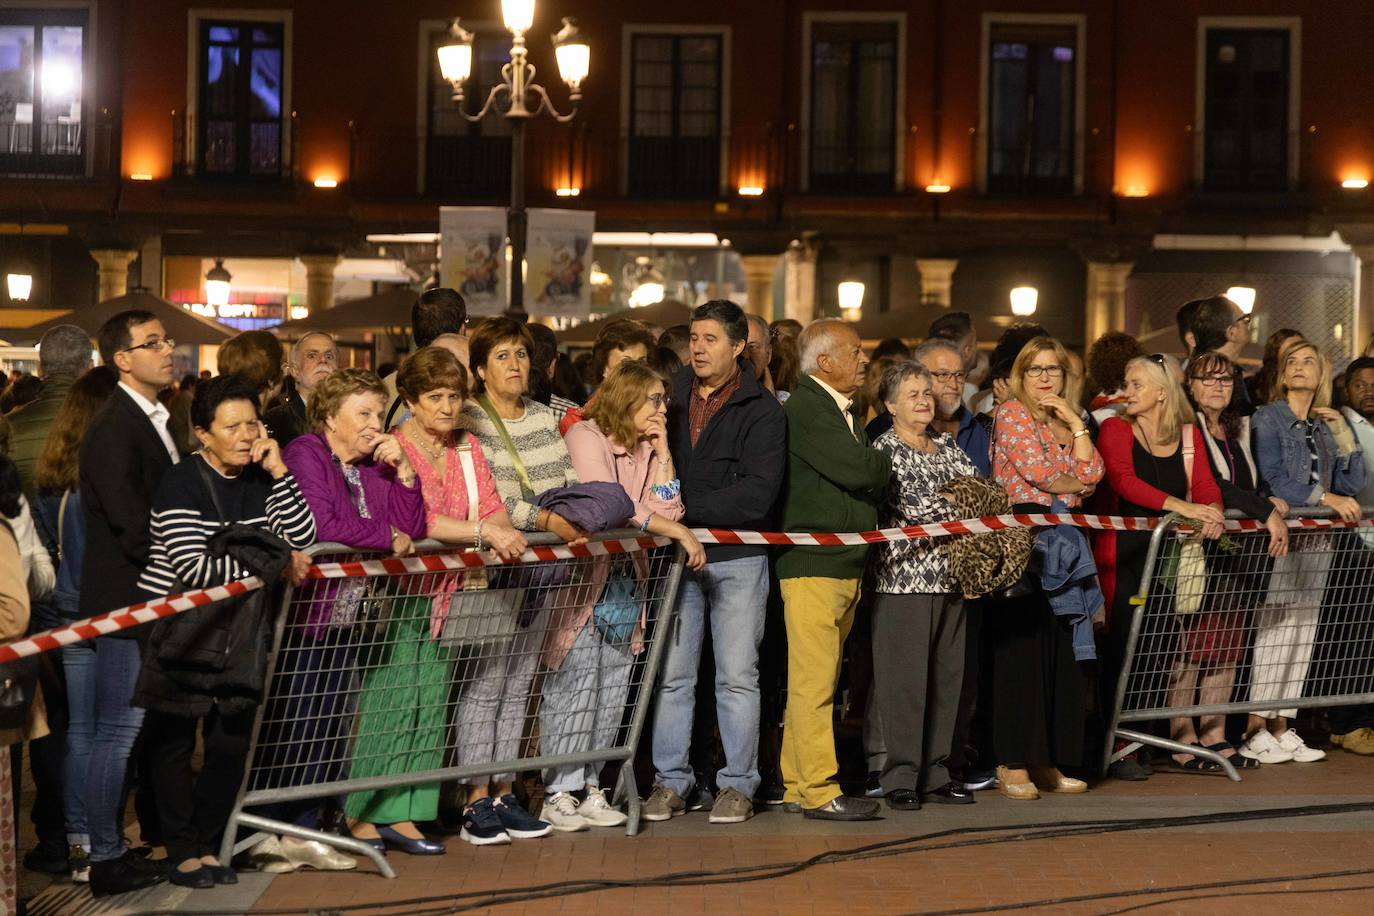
(344, 844)
(627, 790)
(1176, 747)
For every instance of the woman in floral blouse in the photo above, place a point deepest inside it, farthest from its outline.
(918, 623)
(1042, 454)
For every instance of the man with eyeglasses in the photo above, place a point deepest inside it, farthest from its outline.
(313, 359)
(1219, 324)
(125, 453)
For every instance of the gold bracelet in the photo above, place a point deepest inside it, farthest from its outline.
(1081, 432)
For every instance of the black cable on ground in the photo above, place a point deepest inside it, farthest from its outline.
(463, 902)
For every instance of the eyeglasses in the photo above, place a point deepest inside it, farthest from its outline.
(156, 345)
(658, 400)
(1212, 381)
(949, 376)
(1244, 319)
(1047, 371)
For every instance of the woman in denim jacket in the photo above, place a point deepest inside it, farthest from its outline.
(1307, 456)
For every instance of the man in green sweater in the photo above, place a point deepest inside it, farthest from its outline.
(64, 352)
(834, 483)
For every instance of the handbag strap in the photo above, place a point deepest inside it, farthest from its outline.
(469, 478)
(1187, 436)
(61, 516)
(527, 489)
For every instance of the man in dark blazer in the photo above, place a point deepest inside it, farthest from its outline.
(834, 483)
(313, 358)
(126, 450)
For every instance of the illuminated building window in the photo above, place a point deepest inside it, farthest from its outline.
(42, 91)
(240, 111)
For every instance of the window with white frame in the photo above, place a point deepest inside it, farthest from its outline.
(42, 91)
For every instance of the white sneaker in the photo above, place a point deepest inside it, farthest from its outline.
(1265, 748)
(561, 810)
(1292, 742)
(598, 812)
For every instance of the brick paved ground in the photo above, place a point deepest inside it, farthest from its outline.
(1020, 870)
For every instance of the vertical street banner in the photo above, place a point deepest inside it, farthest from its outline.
(472, 256)
(558, 259)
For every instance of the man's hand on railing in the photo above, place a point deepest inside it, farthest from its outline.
(295, 570)
(1346, 507)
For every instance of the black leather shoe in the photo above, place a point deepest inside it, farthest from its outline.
(49, 861)
(904, 800)
(117, 877)
(844, 808)
(198, 879)
(141, 863)
(222, 874)
(951, 793)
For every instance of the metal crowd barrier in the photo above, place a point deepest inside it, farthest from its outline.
(1268, 635)
(373, 688)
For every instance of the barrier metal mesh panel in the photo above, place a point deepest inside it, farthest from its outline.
(383, 683)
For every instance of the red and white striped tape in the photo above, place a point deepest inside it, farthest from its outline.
(146, 612)
(124, 618)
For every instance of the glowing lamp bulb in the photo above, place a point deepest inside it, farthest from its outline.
(1024, 300)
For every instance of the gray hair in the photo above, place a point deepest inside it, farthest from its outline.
(64, 350)
(300, 343)
(761, 322)
(897, 373)
(817, 339)
(935, 345)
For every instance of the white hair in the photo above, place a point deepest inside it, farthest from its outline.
(299, 345)
(818, 338)
(934, 344)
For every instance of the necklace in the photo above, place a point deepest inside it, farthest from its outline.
(434, 453)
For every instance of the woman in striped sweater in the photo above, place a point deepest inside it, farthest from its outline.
(237, 478)
(527, 456)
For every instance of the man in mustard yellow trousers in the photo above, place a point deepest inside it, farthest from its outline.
(835, 481)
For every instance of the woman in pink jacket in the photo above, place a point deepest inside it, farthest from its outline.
(622, 440)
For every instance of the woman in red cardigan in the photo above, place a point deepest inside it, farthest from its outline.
(1148, 453)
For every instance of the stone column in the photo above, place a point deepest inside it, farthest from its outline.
(319, 280)
(759, 270)
(937, 280)
(799, 282)
(114, 271)
(1361, 333)
(1106, 299)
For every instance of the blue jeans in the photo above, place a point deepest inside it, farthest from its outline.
(78, 665)
(733, 593)
(115, 671)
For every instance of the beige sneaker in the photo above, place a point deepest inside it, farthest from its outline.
(732, 807)
(599, 812)
(662, 804)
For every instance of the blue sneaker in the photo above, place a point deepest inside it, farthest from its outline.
(518, 822)
(482, 825)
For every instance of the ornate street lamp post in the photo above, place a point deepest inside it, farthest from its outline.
(512, 99)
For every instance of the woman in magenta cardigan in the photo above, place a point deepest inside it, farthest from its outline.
(1148, 452)
(623, 440)
(364, 494)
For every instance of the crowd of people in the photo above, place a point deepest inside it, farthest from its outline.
(971, 666)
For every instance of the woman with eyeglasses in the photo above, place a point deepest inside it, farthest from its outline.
(1156, 465)
(1042, 453)
(1307, 456)
(623, 440)
(1215, 641)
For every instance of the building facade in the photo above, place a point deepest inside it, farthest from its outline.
(1119, 156)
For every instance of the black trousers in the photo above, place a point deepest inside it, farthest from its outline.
(1039, 689)
(193, 811)
(918, 676)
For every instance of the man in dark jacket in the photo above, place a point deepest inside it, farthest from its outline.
(728, 441)
(123, 457)
(834, 483)
(64, 352)
(313, 358)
